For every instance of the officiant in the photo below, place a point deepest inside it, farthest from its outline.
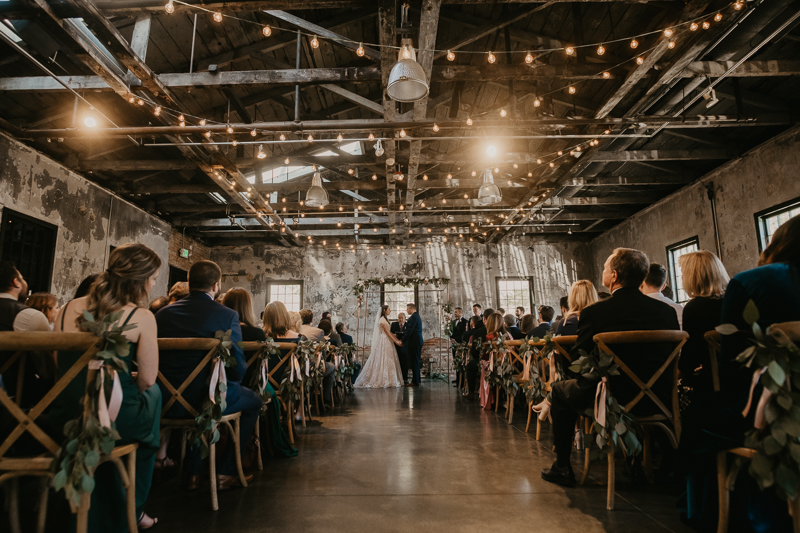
(402, 354)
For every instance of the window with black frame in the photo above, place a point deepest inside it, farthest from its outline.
(513, 293)
(674, 254)
(31, 245)
(768, 221)
(288, 292)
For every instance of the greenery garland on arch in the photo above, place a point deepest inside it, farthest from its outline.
(405, 281)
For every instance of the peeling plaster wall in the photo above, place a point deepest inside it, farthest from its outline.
(328, 275)
(762, 178)
(89, 219)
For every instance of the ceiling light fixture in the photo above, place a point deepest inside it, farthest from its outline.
(489, 193)
(316, 196)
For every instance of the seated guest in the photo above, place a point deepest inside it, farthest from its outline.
(667, 291)
(326, 315)
(240, 301)
(158, 303)
(294, 318)
(501, 311)
(519, 312)
(626, 310)
(16, 316)
(495, 329)
(705, 281)
(478, 333)
(131, 274)
(341, 329)
(477, 310)
(198, 315)
(307, 330)
(178, 291)
(545, 317)
(86, 284)
(511, 327)
(581, 295)
(46, 303)
(564, 306)
(654, 283)
(602, 295)
(330, 334)
(278, 326)
(527, 323)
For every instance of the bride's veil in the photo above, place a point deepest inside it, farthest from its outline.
(376, 331)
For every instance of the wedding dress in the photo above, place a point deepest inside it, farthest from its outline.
(382, 369)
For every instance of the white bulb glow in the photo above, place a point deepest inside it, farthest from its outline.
(90, 122)
(491, 151)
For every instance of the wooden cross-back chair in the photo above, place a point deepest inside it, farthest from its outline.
(20, 356)
(12, 467)
(546, 363)
(186, 425)
(512, 352)
(256, 350)
(726, 476)
(274, 375)
(668, 419)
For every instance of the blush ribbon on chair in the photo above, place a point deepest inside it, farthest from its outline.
(217, 375)
(759, 421)
(295, 369)
(526, 368)
(600, 399)
(264, 374)
(491, 362)
(107, 412)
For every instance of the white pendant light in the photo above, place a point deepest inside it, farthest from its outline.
(407, 80)
(489, 193)
(316, 195)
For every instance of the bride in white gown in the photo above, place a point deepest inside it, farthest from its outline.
(382, 369)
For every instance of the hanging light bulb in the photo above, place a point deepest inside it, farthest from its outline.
(90, 121)
(261, 154)
(639, 60)
(402, 132)
(538, 162)
(529, 58)
(552, 164)
(378, 148)
(671, 45)
(569, 50)
(169, 8)
(314, 42)
(267, 31)
(469, 121)
(634, 43)
(157, 110)
(693, 26)
(316, 196)
(536, 102)
(132, 99)
(234, 142)
(371, 137)
(217, 17)
(424, 177)
(229, 129)
(449, 176)
(140, 101)
(202, 122)
(606, 75)
(339, 137)
(207, 134)
(282, 137)
(571, 89)
(407, 80)
(451, 56)
(374, 177)
(718, 17)
(360, 50)
(181, 118)
(182, 123)
(560, 152)
(474, 173)
(706, 25)
(491, 58)
(489, 193)
(253, 133)
(286, 161)
(737, 6)
(668, 32)
(503, 113)
(310, 138)
(435, 128)
(601, 50)
(350, 171)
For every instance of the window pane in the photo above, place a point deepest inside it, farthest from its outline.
(288, 293)
(676, 276)
(770, 223)
(397, 297)
(513, 293)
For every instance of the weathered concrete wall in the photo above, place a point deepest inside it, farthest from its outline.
(328, 275)
(762, 178)
(90, 219)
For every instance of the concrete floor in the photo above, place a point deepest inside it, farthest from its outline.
(415, 460)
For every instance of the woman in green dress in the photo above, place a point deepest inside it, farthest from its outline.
(131, 274)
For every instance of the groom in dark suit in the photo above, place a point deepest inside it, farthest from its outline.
(412, 342)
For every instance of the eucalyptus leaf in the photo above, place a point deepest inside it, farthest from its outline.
(776, 372)
(60, 479)
(727, 329)
(771, 446)
(751, 314)
(91, 458)
(87, 483)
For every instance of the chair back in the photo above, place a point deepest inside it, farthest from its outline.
(645, 383)
(790, 329)
(176, 394)
(44, 341)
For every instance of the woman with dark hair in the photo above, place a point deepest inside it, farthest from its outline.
(240, 301)
(327, 328)
(495, 329)
(527, 323)
(131, 274)
(86, 284)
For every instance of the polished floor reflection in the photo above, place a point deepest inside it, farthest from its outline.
(415, 460)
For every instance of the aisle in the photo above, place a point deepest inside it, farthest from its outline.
(410, 460)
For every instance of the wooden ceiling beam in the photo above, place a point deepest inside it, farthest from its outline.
(325, 33)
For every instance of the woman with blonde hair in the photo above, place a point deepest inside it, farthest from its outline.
(705, 281)
(239, 300)
(582, 294)
(123, 287)
(296, 320)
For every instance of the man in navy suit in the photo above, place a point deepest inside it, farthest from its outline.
(412, 342)
(198, 315)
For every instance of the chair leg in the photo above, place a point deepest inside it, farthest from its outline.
(237, 441)
(647, 456)
(13, 504)
(722, 490)
(83, 513)
(794, 511)
(303, 407)
(290, 421)
(184, 435)
(586, 453)
(258, 443)
(510, 409)
(530, 412)
(496, 398)
(316, 401)
(212, 467)
(611, 477)
(45, 488)
(130, 493)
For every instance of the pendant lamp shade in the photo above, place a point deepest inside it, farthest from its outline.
(316, 195)
(407, 80)
(489, 193)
